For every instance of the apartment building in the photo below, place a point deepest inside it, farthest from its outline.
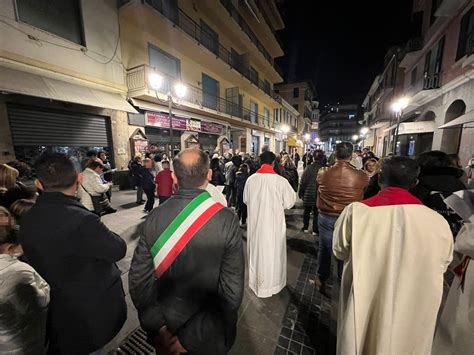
(205, 69)
(437, 66)
(338, 123)
(62, 86)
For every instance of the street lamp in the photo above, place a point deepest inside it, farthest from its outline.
(156, 82)
(355, 137)
(364, 130)
(398, 106)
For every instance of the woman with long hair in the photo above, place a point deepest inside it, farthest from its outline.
(290, 172)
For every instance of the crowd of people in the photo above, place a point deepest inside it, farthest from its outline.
(385, 222)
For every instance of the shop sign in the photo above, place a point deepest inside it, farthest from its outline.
(159, 119)
(314, 125)
(193, 125)
(212, 128)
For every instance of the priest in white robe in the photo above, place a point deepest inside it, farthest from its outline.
(395, 252)
(267, 195)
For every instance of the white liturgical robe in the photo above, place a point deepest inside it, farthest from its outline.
(267, 195)
(395, 252)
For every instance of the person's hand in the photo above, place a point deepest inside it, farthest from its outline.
(163, 342)
(176, 347)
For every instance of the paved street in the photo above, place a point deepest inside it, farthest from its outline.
(299, 320)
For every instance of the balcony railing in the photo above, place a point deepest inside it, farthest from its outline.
(432, 81)
(414, 44)
(234, 13)
(203, 37)
(137, 80)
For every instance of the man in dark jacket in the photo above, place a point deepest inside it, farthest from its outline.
(75, 253)
(308, 192)
(187, 274)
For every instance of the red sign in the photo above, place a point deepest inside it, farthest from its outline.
(161, 120)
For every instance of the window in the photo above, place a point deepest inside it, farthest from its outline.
(296, 92)
(164, 62)
(253, 112)
(60, 17)
(234, 58)
(210, 88)
(254, 75)
(466, 35)
(352, 116)
(439, 55)
(209, 38)
(266, 86)
(169, 8)
(296, 107)
(434, 6)
(413, 76)
(266, 117)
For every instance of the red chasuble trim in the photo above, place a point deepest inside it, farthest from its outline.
(392, 196)
(266, 169)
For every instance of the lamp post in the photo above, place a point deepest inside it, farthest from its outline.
(307, 138)
(398, 107)
(156, 81)
(285, 129)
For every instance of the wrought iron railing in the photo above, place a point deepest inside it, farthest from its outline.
(138, 79)
(432, 81)
(195, 30)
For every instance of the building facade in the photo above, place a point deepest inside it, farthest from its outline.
(61, 80)
(302, 96)
(221, 54)
(438, 73)
(136, 76)
(338, 123)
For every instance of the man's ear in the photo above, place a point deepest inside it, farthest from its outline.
(39, 185)
(209, 175)
(80, 178)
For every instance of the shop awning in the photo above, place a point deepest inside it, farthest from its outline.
(414, 127)
(461, 120)
(21, 82)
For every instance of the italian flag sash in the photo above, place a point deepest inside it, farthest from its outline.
(181, 230)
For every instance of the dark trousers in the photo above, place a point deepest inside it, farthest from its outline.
(230, 195)
(109, 194)
(326, 230)
(163, 199)
(139, 194)
(241, 211)
(307, 216)
(150, 199)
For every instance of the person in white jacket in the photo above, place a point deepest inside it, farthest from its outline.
(24, 297)
(93, 185)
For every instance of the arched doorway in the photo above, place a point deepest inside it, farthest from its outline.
(427, 116)
(452, 136)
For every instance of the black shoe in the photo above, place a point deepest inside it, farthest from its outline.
(110, 211)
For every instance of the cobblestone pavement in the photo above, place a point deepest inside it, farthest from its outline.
(299, 320)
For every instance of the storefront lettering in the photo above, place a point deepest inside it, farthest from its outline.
(161, 120)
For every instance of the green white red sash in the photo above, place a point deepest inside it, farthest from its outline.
(181, 230)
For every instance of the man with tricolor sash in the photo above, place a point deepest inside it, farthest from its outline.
(187, 274)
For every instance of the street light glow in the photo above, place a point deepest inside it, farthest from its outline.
(364, 130)
(180, 90)
(355, 137)
(307, 136)
(316, 140)
(400, 104)
(155, 80)
(285, 128)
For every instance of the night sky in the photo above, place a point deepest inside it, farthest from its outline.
(341, 44)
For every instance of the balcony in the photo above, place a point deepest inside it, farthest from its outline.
(234, 14)
(432, 81)
(195, 98)
(411, 52)
(181, 20)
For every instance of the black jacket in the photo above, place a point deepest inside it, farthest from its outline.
(308, 190)
(197, 298)
(373, 188)
(434, 185)
(147, 178)
(218, 177)
(76, 253)
(291, 174)
(240, 180)
(17, 192)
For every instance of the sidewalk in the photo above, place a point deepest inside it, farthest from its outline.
(299, 320)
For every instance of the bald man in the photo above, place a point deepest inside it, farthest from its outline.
(187, 274)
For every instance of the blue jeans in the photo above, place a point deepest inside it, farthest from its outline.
(326, 229)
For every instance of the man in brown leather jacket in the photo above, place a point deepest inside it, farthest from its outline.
(339, 186)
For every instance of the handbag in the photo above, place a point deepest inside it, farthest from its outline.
(100, 202)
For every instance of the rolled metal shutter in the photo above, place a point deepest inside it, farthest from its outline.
(32, 126)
